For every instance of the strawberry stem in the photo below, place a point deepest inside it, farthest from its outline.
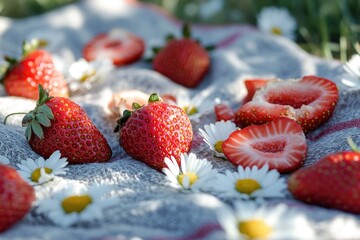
(353, 145)
(11, 114)
(186, 30)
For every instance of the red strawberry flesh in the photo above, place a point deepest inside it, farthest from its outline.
(156, 131)
(280, 143)
(310, 101)
(331, 182)
(121, 47)
(16, 197)
(73, 133)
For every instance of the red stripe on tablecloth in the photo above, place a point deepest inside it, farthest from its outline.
(335, 128)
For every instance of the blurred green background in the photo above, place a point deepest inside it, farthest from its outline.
(326, 28)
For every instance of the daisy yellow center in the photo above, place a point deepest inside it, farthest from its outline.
(247, 185)
(36, 174)
(276, 31)
(76, 203)
(218, 146)
(190, 110)
(255, 229)
(192, 178)
(86, 76)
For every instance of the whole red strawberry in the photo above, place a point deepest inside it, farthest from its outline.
(58, 123)
(184, 60)
(155, 131)
(310, 101)
(16, 197)
(331, 182)
(35, 67)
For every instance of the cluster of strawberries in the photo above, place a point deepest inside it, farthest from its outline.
(274, 120)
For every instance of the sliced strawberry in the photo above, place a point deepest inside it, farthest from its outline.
(252, 85)
(223, 112)
(310, 101)
(119, 45)
(280, 143)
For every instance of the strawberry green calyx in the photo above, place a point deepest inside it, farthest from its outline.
(125, 116)
(154, 98)
(38, 118)
(135, 106)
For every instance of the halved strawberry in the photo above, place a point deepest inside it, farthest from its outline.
(223, 111)
(252, 85)
(310, 101)
(121, 46)
(280, 143)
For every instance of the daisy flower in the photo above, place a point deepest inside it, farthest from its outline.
(249, 221)
(277, 21)
(341, 228)
(249, 183)
(4, 160)
(82, 74)
(194, 107)
(352, 68)
(215, 134)
(76, 204)
(40, 170)
(193, 174)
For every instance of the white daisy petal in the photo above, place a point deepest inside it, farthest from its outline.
(60, 210)
(214, 133)
(249, 183)
(277, 21)
(4, 160)
(40, 170)
(276, 222)
(193, 172)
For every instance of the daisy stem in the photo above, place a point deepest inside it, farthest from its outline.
(11, 115)
(353, 145)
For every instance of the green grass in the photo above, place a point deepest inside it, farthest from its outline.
(326, 28)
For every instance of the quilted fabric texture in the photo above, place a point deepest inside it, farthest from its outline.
(147, 206)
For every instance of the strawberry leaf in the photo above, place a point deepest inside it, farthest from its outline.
(42, 119)
(36, 127)
(28, 133)
(47, 111)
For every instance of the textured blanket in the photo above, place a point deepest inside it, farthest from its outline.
(147, 206)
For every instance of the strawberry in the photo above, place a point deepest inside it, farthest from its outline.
(155, 131)
(119, 45)
(223, 111)
(280, 143)
(183, 61)
(252, 85)
(58, 123)
(35, 67)
(331, 182)
(16, 197)
(310, 101)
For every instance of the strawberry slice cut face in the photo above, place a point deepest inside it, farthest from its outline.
(252, 85)
(280, 143)
(121, 46)
(223, 111)
(310, 101)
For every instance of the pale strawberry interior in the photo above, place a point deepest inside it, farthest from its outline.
(295, 96)
(270, 147)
